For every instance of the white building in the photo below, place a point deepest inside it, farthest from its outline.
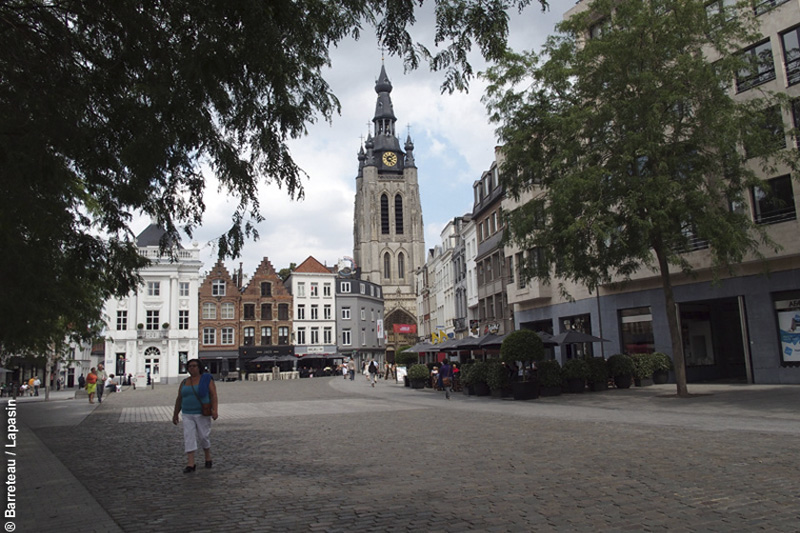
(314, 300)
(153, 332)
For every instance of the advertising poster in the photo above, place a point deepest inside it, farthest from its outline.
(789, 326)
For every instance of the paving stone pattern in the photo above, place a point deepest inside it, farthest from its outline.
(328, 454)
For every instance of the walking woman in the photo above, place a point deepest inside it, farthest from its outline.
(91, 384)
(195, 391)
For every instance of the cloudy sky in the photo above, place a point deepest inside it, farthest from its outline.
(453, 144)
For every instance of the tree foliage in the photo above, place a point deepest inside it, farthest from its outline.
(111, 109)
(630, 143)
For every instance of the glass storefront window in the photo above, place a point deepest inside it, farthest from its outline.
(636, 329)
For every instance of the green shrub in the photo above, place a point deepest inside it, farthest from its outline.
(497, 375)
(418, 372)
(406, 358)
(575, 369)
(620, 365)
(661, 361)
(598, 369)
(522, 345)
(548, 373)
(476, 372)
(642, 365)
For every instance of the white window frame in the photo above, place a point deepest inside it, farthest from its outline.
(229, 315)
(345, 313)
(218, 287)
(209, 336)
(154, 288)
(209, 311)
(226, 336)
(346, 339)
(183, 288)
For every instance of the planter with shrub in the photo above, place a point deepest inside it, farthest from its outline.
(620, 367)
(643, 367)
(662, 364)
(598, 373)
(525, 346)
(574, 374)
(548, 374)
(498, 379)
(418, 375)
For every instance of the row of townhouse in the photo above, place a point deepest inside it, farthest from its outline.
(316, 317)
(744, 328)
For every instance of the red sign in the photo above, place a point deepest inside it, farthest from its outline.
(404, 328)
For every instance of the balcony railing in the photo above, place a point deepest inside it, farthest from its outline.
(152, 333)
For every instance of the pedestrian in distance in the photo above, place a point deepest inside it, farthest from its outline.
(91, 384)
(81, 381)
(194, 394)
(351, 369)
(101, 381)
(373, 372)
(36, 384)
(446, 377)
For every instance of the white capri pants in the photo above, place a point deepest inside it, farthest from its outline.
(196, 427)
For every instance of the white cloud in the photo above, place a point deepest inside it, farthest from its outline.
(454, 144)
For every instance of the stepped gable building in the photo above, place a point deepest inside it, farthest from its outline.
(219, 313)
(388, 234)
(266, 319)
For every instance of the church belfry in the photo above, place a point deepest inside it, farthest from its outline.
(388, 234)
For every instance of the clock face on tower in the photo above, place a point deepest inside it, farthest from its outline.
(389, 159)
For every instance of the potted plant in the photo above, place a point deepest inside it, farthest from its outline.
(662, 364)
(642, 369)
(478, 377)
(498, 379)
(467, 385)
(574, 374)
(620, 367)
(525, 346)
(139, 326)
(598, 373)
(165, 325)
(406, 359)
(548, 374)
(418, 375)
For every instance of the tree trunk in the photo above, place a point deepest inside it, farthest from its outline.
(674, 325)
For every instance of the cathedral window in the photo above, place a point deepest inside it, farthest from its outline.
(384, 214)
(398, 214)
(387, 266)
(401, 266)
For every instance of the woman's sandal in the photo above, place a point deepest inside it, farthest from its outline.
(189, 469)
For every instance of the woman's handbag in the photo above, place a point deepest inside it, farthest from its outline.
(207, 411)
(447, 381)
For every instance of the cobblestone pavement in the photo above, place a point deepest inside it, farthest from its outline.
(334, 455)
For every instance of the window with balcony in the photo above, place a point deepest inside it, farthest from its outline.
(209, 311)
(760, 68)
(768, 134)
(152, 320)
(762, 6)
(775, 202)
(218, 287)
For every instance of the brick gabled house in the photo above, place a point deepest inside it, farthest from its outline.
(219, 312)
(266, 321)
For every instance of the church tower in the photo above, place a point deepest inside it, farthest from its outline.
(388, 235)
